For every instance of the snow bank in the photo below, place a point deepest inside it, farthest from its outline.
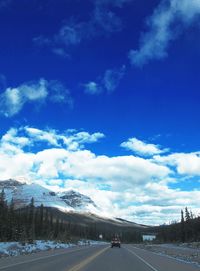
(15, 248)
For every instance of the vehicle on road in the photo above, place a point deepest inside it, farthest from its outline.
(115, 243)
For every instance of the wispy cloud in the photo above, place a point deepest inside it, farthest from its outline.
(12, 100)
(92, 88)
(103, 21)
(106, 19)
(142, 148)
(61, 52)
(108, 83)
(169, 19)
(58, 93)
(112, 78)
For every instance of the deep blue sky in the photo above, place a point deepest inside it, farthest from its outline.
(162, 97)
(155, 100)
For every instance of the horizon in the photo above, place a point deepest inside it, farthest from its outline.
(103, 98)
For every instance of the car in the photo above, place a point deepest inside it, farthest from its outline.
(115, 243)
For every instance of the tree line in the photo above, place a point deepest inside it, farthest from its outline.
(187, 230)
(43, 223)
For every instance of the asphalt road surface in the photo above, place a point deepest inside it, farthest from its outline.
(95, 258)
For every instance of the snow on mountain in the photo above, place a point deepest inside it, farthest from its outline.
(22, 192)
(80, 203)
(76, 199)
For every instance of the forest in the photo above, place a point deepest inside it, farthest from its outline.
(187, 230)
(42, 223)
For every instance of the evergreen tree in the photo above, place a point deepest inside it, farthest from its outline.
(31, 220)
(182, 227)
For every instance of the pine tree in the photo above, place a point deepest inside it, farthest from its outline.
(56, 230)
(3, 217)
(182, 227)
(31, 220)
(41, 221)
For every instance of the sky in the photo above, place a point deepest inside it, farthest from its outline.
(102, 96)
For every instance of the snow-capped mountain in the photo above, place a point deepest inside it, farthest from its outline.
(22, 192)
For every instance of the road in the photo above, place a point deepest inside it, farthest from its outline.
(95, 258)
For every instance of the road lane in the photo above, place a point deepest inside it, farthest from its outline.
(97, 258)
(116, 259)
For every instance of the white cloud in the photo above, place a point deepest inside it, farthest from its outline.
(185, 163)
(12, 100)
(168, 19)
(109, 82)
(85, 137)
(28, 136)
(141, 147)
(134, 188)
(41, 135)
(12, 138)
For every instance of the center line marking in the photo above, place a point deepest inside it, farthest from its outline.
(148, 264)
(87, 261)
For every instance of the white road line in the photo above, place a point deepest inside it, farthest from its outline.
(40, 258)
(148, 264)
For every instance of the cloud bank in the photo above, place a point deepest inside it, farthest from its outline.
(62, 161)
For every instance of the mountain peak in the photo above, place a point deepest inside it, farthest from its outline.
(16, 181)
(22, 179)
(76, 200)
(10, 183)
